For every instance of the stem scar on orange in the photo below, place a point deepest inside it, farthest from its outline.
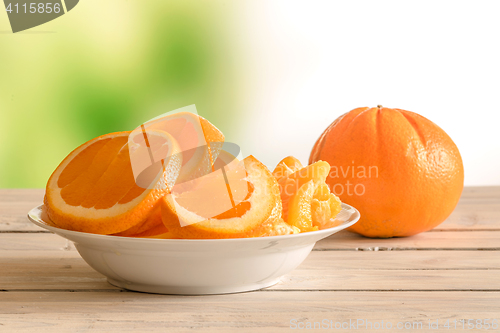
(400, 170)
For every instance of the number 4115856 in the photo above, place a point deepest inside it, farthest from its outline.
(33, 8)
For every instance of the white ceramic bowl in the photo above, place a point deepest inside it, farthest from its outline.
(195, 267)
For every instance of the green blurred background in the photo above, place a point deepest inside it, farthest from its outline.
(109, 66)
(272, 75)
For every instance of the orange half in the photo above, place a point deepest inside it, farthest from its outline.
(94, 189)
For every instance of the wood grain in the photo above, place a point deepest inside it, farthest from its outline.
(442, 240)
(342, 241)
(15, 205)
(45, 264)
(317, 260)
(267, 311)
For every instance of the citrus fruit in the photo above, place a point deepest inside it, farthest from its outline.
(199, 141)
(286, 167)
(94, 189)
(325, 206)
(241, 199)
(306, 199)
(152, 225)
(400, 170)
(158, 229)
(291, 183)
(299, 209)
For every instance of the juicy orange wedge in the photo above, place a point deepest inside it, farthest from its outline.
(94, 189)
(286, 167)
(240, 200)
(299, 210)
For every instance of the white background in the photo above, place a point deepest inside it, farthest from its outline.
(309, 62)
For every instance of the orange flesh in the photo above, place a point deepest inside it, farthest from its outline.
(80, 163)
(184, 133)
(172, 126)
(100, 176)
(109, 181)
(211, 193)
(290, 184)
(240, 209)
(187, 140)
(286, 167)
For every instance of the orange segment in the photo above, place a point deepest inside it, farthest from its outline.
(286, 167)
(324, 207)
(299, 210)
(94, 189)
(202, 210)
(307, 201)
(290, 184)
(279, 227)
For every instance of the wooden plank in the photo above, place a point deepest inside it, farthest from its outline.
(33, 195)
(317, 260)
(64, 270)
(401, 260)
(391, 280)
(342, 241)
(481, 192)
(14, 206)
(478, 209)
(33, 242)
(265, 311)
(74, 274)
(442, 240)
(44, 265)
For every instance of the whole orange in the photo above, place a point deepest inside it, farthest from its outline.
(400, 170)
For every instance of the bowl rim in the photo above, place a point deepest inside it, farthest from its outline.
(34, 216)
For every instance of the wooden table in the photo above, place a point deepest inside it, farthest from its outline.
(450, 273)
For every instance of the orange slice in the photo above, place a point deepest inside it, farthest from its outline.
(306, 199)
(240, 200)
(153, 225)
(94, 189)
(158, 230)
(199, 141)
